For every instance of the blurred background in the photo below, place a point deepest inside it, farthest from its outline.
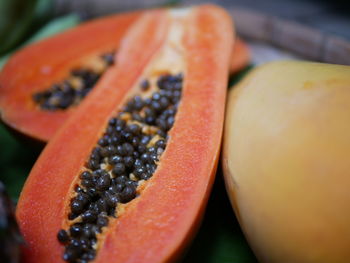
(20, 20)
(316, 30)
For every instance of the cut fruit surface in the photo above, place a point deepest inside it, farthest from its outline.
(45, 76)
(42, 85)
(135, 163)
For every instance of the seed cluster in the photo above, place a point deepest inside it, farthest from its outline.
(71, 91)
(126, 155)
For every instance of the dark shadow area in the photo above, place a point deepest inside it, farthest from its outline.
(16, 160)
(220, 238)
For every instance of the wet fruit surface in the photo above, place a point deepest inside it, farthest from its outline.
(134, 166)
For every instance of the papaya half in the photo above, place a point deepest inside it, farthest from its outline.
(44, 83)
(41, 83)
(128, 176)
(285, 159)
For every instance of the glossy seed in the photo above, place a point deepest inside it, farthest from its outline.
(139, 171)
(103, 141)
(109, 58)
(77, 206)
(84, 244)
(82, 198)
(87, 183)
(70, 255)
(75, 243)
(128, 194)
(103, 182)
(128, 161)
(121, 179)
(93, 164)
(170, 122)
(62, 236)
(138, 163)
(145, 139)
(72, 216)
(89, 216)
(145, 157)
(119, 187)
(119, 169)
(128, 151)
(102, 221)
(144, 85)
(112, 122)
(115, 159)
(85, 175)
(152, 150)
(160, 143)
(112, 200)
(90, 255)
(101, 205)
(75, 230)
(142, 148)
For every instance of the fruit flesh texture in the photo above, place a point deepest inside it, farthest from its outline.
(159, 224)
(46, 62)
(169, 60)
(286, 148)
(75, 49)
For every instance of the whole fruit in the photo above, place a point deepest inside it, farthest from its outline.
(287, 161)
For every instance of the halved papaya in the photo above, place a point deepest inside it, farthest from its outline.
(127, 177)
(42, 84)
(53, 69)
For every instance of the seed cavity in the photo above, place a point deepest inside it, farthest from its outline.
(74, 88)
(126, 155)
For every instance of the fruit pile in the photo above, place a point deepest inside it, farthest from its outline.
(134, 139)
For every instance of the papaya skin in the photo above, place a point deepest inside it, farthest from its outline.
(285, 159)
(156, 226)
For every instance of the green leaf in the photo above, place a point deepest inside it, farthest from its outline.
(43, 9)
(55, 26)
(234, 79)
(220, 238)
(16, 161)
(16, 18)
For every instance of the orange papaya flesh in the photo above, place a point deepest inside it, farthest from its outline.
(32, 71)
(75, 87)
(43, 83)
(186, 52)
(240, 56)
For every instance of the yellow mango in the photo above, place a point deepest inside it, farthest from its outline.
(286, 161)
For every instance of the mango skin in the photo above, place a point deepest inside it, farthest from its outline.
(286, 161)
